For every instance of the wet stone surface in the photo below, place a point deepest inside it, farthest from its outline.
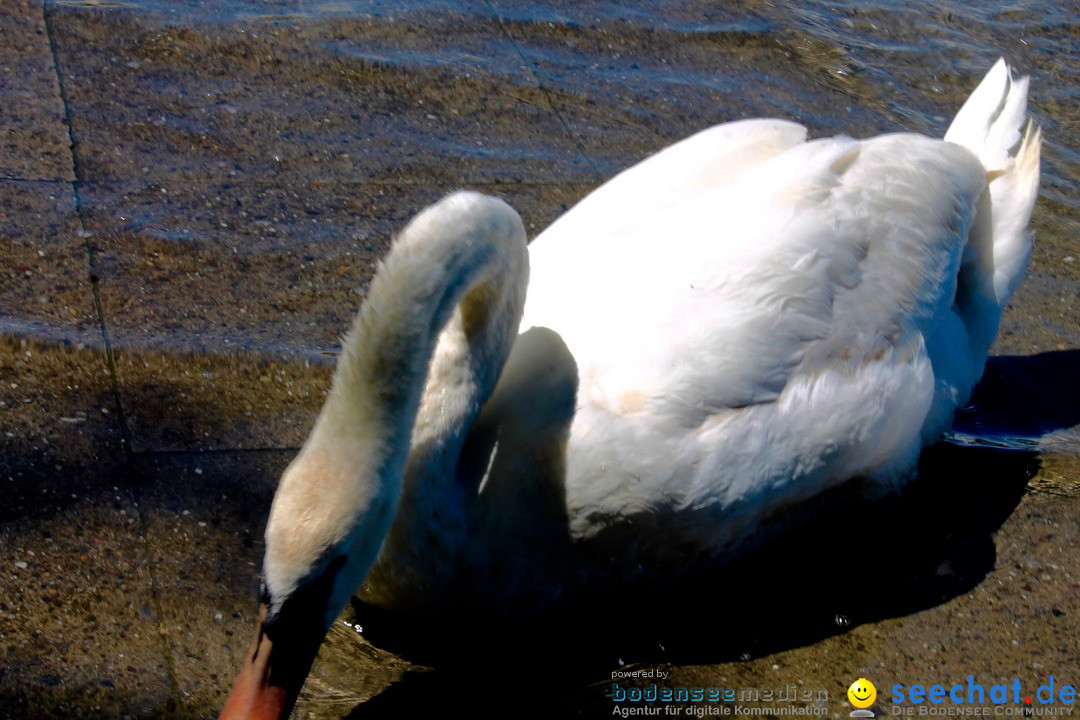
(45, 284)
(34, 140)
(169, 103)
(231, 268)
(61, 436)
(214, 402)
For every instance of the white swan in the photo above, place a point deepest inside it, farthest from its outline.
(731, 327)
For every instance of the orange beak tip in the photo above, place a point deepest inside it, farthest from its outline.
(251, 699)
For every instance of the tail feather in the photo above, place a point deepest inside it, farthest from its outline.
(994, 125)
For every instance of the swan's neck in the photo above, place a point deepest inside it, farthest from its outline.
(423, 354)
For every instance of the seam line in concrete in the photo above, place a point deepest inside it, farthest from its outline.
(91, 251)
(175, 702)
(42, 181)
(544, 91)
(213, 452)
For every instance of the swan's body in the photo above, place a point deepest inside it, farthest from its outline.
(733, 326)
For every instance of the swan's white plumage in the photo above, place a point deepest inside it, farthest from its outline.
(785, 316)
(779, 347)
(735, 325)
(991, 123)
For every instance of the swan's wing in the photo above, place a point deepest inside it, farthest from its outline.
(768, 332)
(603, 248)
(826, 253)
(603, 221)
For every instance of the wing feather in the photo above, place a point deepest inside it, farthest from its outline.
(768, 330)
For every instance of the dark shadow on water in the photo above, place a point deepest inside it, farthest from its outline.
(1024, 396)
(854, 563)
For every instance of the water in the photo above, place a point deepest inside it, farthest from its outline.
(265, 151)
(673, 67)
(896, 55)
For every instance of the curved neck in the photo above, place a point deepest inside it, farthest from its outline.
(441, 315)
(462, 265)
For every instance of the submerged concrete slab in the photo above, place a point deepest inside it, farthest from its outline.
(45, 287)
(257, 266)
(204, 515)
(278, 103)
(626, 91)
(240, 267)
(60, 431)
(227, 304)
(34, 140)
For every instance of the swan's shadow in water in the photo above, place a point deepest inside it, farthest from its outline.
(850, 565)
(853, 563)
(1024, 397)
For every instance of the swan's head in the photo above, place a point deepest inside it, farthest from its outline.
(318, 549)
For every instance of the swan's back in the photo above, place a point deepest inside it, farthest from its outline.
(787, 317)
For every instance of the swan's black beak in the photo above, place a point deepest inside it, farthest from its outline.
(285, 645)
(275, 668)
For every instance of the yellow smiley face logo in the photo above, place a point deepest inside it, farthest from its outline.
(862, 693)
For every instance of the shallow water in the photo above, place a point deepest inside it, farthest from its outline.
(623, 79)
(548, 95)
